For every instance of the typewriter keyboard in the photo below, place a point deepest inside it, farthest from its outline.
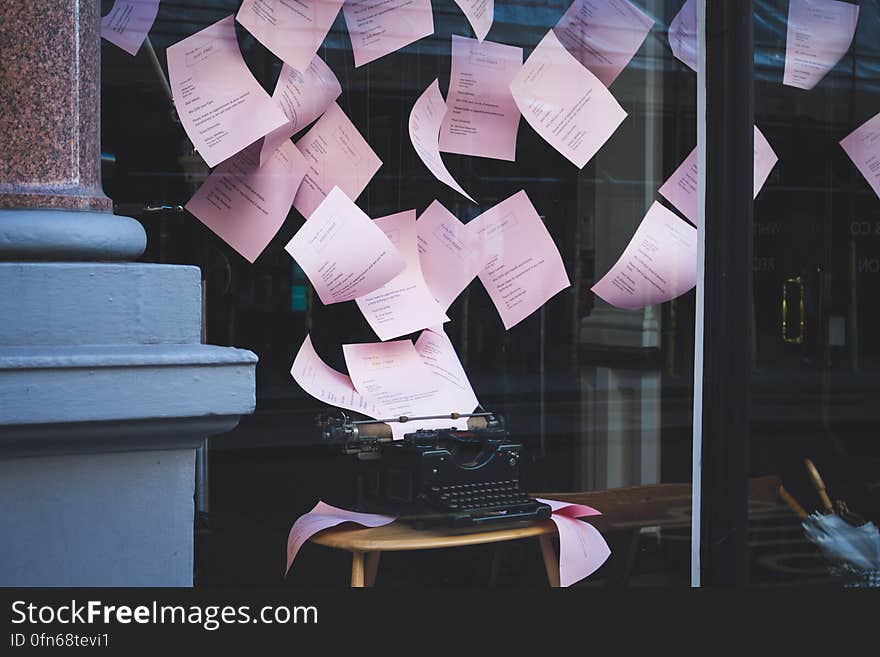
(482, 495)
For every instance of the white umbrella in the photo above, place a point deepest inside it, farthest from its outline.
(841, 542)
(844, 538)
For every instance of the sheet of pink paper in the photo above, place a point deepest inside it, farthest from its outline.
(765, 160)
(683, 34)
(245, 204)
(324, 516)
(343, 253)
(393, 375)
(863, 148)
(480, 14)
(659, 263)
(582, 549)
(564, 102)
(681, 187)
(292, 30)
(523, 267)
(326, 384)
(338, 157)
(448, 252)
(221, 106)
(381, 27)
(303, 97)
(481, 118)
(128, 22)
(818, 35)
(603, 35)
(425, 120)
(404, 304)
(438, 354)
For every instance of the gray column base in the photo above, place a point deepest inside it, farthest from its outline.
(42, 234)
(105, 394)
(120, 519)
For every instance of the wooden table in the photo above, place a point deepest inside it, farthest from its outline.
(625, 511)
(366, 545)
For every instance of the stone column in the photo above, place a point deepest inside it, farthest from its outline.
(105, 388)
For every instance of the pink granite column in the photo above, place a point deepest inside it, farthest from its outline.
(50, 168)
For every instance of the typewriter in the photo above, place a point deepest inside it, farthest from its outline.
(448, 477)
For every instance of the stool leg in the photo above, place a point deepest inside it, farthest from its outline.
(551, 563)
(372, 568)
(357, 569)
(496, 564)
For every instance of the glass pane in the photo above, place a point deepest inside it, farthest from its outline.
(599, 397)
(815, 276)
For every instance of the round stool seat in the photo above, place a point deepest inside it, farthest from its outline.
(401, 536)
(367, 543)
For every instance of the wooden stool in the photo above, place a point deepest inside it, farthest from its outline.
(367, 544)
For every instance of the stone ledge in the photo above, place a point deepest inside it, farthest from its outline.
(99, 383)
(41, 440)
(69, 303)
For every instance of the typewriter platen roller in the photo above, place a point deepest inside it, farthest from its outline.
(456, 477)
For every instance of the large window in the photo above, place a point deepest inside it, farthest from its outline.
(600, 396)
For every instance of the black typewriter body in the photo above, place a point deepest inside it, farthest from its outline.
(448, 477)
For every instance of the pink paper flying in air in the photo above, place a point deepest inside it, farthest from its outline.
(437, 353)
(863, 147)
(404, 304)
(326, 384)
(818, 35)
(324, 516)
(765, 160)
(222, 107)
(681, 187)
(338, 156)
(449, 253)
(292, 30)
(564, 102)
(683, 34)
(523, 267)
(659, 264)
(482, 118)
(425, 120)
(603, 35)
(480, 14)
(343, 253)
(582, 549)
(128, 22)
(303, 97)
(245, 204)
(393, 375)
(381, 27)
